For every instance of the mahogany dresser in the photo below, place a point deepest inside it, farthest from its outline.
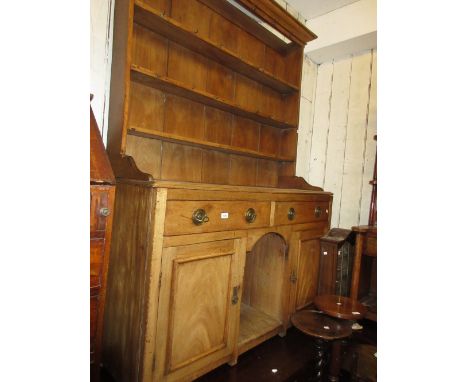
(102, 187)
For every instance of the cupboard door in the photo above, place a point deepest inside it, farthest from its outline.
(197, 308)
(305, 269)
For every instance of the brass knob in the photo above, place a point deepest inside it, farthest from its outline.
(318, 212)
(291, 213)
(199, 217)
(104, 211)
(250, 215)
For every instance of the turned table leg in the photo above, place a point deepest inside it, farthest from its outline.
(321, 360)
(335, 361)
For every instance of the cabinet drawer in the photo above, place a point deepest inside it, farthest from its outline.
(100, 210)
(300, 212)
(221, 216)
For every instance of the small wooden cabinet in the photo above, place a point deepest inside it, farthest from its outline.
(336, 262)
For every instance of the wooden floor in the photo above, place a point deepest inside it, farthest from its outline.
(291, 357)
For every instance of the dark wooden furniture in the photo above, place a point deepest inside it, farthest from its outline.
(102, 187)
(364, 278)
(323, 328)
(336, 261)
(364, 363)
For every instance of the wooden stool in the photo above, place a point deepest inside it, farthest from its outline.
(340, 307)
(324, 329)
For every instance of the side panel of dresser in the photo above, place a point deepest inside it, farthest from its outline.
(128, 281)
(102, 205)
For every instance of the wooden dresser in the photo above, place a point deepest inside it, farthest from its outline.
(102, 189)
(215, 241)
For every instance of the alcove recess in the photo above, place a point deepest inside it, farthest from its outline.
(209, 96)
(263, 300)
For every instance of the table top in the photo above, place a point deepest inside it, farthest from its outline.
(340, 307)
(320, 325)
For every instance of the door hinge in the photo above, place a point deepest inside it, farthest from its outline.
(235, 297)
(293, 277)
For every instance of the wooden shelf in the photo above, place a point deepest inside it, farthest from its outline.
(255, 325)
(148, 133)
(148, 17)
(245, 22)
(148, 78)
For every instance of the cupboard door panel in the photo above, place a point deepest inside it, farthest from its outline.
(198, 312)
(196, 316)
(307, 272)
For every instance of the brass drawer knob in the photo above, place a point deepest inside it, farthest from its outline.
(291, 213)
(104, 211)
(318, 212)
(250, 215)
(199, 217)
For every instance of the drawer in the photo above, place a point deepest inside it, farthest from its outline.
(221, 216)
(100, 209)
(301, 212)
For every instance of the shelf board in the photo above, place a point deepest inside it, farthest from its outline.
(255, 325)
(148, 17)
(168, 137)
(151, 79)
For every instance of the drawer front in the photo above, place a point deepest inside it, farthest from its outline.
(100, 210)
(221, 216)
(300, 212)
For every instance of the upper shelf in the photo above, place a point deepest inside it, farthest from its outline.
(148, 78)
(148, 17)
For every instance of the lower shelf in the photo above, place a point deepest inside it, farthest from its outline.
(255, 327)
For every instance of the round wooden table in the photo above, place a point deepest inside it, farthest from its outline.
(324, 329)
(340, 307)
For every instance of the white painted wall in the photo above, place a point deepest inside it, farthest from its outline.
(102, 21)
(338, 120)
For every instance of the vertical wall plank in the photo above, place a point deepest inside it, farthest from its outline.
(355, 144)
(304, 138)
(337, 133)
(370, 149)
(306, 113)
(320, 124)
